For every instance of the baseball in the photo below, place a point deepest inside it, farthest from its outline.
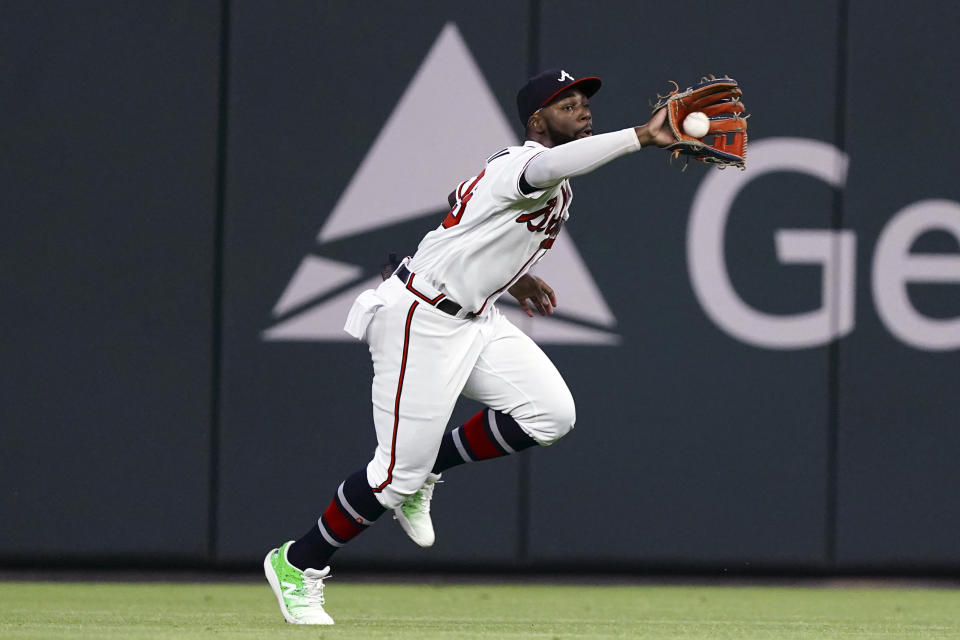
(696, 124)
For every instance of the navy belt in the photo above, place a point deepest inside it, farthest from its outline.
(440, 301)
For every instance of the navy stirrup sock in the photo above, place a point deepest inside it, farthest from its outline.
(489, 434)
(352, 510)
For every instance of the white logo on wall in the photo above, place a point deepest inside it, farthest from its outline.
(894, 265)
(417, 139)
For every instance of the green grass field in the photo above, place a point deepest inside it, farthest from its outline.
(414, 611)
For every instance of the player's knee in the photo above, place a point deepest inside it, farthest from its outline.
(565, 416)
(558, 419)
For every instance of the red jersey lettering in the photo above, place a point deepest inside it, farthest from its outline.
(456, 213)
(537, 220)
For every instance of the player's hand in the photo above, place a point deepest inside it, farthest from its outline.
(656, 131)
(532, 290)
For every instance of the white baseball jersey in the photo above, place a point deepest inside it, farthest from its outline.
(494, 233)
(424, 358)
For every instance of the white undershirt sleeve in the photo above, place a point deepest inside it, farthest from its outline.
(579, 157)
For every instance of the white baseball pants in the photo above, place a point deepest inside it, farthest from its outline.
(424, 359)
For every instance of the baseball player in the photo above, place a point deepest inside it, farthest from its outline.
(435, 333)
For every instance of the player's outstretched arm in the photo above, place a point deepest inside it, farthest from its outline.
(531, 289)
(582, 156)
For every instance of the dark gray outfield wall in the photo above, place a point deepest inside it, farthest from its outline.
(765, 363)
(109, 188)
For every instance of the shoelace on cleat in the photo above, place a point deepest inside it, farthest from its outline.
(425, 494)
(419, 501)
(314, 589)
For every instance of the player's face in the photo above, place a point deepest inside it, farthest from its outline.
(568, 117)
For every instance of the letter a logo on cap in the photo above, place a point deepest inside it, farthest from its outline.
(565, 76)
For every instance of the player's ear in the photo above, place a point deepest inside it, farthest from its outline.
(535, 122)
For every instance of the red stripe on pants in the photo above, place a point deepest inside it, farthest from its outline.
(396, 406)
(340, 525)
(477, 438)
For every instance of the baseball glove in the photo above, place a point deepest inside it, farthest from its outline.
(719, 99)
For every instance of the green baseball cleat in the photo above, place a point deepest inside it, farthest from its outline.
(414, 513)
(300, 593)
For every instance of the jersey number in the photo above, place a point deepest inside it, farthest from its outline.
(456, 213)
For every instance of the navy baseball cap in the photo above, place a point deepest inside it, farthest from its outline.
(542, 88)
